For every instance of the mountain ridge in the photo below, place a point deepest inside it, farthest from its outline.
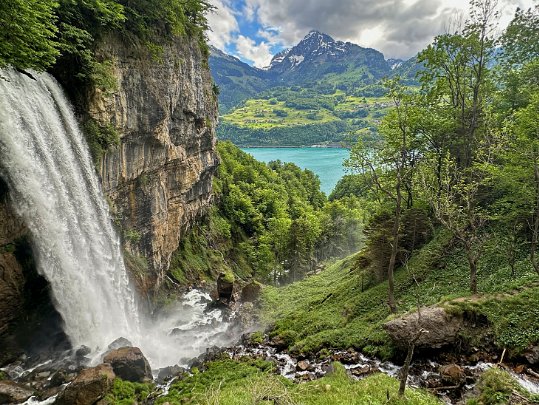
(316, 58)
(318, 92)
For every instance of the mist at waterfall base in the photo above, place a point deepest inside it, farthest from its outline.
(53, 187)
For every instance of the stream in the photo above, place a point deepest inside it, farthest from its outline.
(207, 331)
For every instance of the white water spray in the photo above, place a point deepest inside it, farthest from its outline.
(52, 182)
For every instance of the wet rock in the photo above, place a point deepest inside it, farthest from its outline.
(129, 364)
(60, 378)
(307, 376)
(13, 393)
(166, 373)
(327, 368)
(251, 292)
(225, 287)
(453, 373)
(83, 351)
(361, 370)
(90, 386)
(279, 343)
(441, 328)
(532, 354)
(120, 342)
(520, 369)
(303, 365)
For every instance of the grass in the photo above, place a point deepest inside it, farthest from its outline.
(228, 382)
(496, 386)
(128, 393)
(332, 310)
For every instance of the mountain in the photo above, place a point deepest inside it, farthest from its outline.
(237, 80)
(320, 91)
(320, 57)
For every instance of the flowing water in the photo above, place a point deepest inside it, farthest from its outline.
(57, 193)
(55, 190)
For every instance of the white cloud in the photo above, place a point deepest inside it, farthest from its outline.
(398, 28)
(259, 54)
(249, 11)
(223, 24)
(270, 34)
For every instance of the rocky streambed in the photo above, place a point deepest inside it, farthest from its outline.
(80, 377)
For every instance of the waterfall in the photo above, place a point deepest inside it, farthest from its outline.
(52, 182)
(54, 188)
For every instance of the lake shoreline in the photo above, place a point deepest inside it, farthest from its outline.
(292, 147)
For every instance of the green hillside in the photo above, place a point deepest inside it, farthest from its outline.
(303, 117)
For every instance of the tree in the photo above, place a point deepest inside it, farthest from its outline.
(457, 208)
(516, 112)
(458, 89)
(391, 164)
(27, 34)
(456, 78)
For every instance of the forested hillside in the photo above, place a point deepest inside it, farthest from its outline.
(451, 195)
(270, 222)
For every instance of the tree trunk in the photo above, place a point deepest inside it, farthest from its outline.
(406, 367)
(411, 346)
(472, 262)
(394, 250)
(535, 226)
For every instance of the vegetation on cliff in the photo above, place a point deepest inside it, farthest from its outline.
(39, 33)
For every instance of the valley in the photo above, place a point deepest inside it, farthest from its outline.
(179, 227)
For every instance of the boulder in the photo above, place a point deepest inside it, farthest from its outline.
(120, 342)
(91, 385)
(225, 287)
(250, 292)
(532, 354)
(82, 352)
(439, 328)
(13, 393)
(453, 374)
(303, 365)
(129, 364)
(167, 373)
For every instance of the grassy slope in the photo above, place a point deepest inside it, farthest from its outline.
(329, 310)
(252, 382)
(260, 112)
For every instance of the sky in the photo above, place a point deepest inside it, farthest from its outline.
(255, 30)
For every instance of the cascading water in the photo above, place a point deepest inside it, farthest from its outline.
(52, 182)
(51, 178)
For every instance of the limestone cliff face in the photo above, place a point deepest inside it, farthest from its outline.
(159, 179)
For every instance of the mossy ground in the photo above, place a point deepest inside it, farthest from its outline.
(496, 386)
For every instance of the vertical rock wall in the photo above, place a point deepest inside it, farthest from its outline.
(159, 179)
(11, 272)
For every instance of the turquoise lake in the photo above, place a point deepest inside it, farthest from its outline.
(325, 162)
